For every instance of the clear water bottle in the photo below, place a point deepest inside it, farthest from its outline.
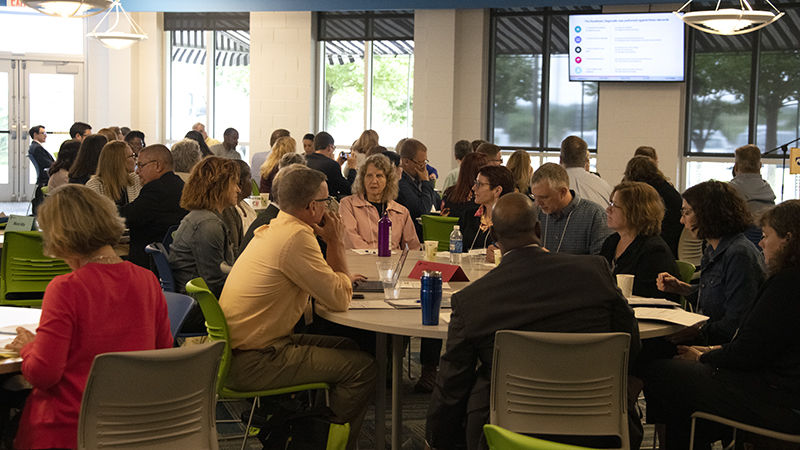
(384, 235)
(456, 245)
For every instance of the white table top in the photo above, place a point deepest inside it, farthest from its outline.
(408, 322)
(10, 318)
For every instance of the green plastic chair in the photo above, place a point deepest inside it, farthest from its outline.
(217, 328)
(685, 273)
(24, 270)
(254, 187)
(438, 228)
(501, 439)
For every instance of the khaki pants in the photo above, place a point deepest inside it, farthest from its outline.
(304, 358)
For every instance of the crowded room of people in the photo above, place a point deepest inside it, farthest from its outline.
(343, 225)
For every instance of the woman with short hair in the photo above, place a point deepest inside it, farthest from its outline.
(104, 305)
(732, 265)
(457, 200)
(634, 212)
(491, 183)
(115, 177)
(374, 193)
(185, 154)
(284, 145)
(752, 378)
(202, 241)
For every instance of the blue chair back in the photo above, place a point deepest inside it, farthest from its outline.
(178, 306)
(168, 237)
(159, 253)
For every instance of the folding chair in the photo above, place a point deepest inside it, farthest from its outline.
(160, 255)
(501, 439)
(794, 438)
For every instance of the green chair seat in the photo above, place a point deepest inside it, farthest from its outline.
(501, 439)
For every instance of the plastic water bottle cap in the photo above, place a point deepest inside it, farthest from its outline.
(456, 227)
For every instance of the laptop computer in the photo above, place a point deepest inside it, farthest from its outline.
(377, 286)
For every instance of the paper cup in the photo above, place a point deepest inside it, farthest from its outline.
(430, 250)
(255, 201)
(497, 256)
(625, 284)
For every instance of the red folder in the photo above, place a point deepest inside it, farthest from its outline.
(450, 272)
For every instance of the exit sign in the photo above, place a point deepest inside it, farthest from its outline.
(12, 3)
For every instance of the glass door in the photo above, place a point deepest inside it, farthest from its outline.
(44, 93)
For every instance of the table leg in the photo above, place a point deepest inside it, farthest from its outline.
(380, 392)
(397, 374)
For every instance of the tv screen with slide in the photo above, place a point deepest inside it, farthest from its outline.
(626, 47)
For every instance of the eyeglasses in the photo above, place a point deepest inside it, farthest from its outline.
(133, 156)
(142, 164)
(328, 201)
(611, 204)
(478, 184)
(419, 163)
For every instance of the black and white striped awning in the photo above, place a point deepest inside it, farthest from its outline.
(345, 52)
(232, 48)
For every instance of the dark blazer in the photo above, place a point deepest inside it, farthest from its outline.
(418, 198)
(530, 290)
(645, 258)
(338, 185)
(43, 160)
(671, 225)
(149, 216)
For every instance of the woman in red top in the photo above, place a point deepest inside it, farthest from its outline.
(104, 305)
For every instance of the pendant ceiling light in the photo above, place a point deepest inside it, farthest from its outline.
(729, 21)
(118, 36)
(69, 8)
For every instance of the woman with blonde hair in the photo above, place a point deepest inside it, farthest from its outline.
(635, 212)
(104, 305)
(375, 190)
(269, 169)
(203, 243)
(115, 177)
(519, 163)
(366, 142)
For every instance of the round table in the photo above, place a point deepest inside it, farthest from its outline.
(398, 323)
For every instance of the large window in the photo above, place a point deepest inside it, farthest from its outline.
(215, 89)
(534, 105)
(743, 89)
(368, 74)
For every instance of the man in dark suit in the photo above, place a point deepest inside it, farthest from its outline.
(322, 160)
(41, 159)
(158, 205)
(531, 290)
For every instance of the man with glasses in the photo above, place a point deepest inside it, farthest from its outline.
(157, 207)
(416, 188)
(268, 291)
(570, 224)
(492, 152)
(322, 160)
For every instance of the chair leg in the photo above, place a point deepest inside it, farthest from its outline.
(249, 421)
(691, 435)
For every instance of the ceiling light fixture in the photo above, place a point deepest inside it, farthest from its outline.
(69, 8)
(729, 21)
(114, 38)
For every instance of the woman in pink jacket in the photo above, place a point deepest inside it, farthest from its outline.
(375, 189)
(104, 305)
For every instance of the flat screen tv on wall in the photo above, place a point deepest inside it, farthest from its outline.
(626, 47)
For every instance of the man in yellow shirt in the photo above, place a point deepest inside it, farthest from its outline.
(199, 127)
(268, 291)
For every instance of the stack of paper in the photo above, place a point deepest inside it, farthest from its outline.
(676, 316)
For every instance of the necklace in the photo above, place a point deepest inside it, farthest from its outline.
(560, 241)
(104, 259)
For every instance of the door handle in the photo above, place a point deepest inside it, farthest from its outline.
(13, 131)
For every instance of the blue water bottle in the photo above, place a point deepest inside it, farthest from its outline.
(430, 296)
(384, 235)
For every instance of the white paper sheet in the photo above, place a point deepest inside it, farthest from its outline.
(676, 316)
(12, 317)
(636, 301)
(444, 316)
(369, 304)
(364, 251)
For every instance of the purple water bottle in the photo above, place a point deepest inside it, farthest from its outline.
(384, 235)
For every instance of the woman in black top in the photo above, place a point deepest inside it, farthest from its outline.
(644, 169)
(635, 212)
(755, 378)
(457, 200)
(85, 164)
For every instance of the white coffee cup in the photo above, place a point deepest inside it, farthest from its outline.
(430, 250)
(625, 284)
